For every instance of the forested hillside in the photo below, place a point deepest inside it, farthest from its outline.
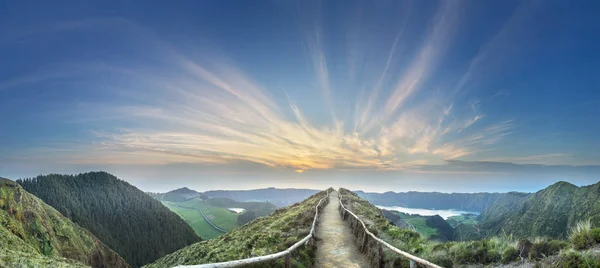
(476, 202)
(129, 221)
(550, 212)
(33, 234)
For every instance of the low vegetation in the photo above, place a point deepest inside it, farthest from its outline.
(262, 236)
(193, 218)
(431, 227)
(503, 249)
(217, 210)
(467, 218)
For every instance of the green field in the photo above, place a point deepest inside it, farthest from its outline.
(419, 223)
(195, 220)
(462, 219)
(188, 211)
(216, 210)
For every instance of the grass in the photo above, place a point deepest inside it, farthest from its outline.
(216, 209)
(33, 234)
(462, 219)
(492, 250)
(582, 235)
(262, 236)
(419, 223)
(222, 217)
(14, 258)
(195, 220)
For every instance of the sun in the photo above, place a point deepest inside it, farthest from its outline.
(299, 170)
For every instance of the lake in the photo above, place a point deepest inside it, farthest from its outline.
(237, 210)
(444, 213)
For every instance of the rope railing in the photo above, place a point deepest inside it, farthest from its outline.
(286, 253)
(413, 259)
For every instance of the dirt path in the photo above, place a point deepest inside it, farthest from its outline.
(336, 247)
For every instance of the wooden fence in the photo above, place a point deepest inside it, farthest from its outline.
(285, 254)
(364, 234)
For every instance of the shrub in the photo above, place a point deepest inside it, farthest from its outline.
(574, 259)
(582, 240)
(509, 255)
(442, 260)
(582, 227)
(595, 235)
(546, 248)
(524, 246)
(580, 235)
(569, 259)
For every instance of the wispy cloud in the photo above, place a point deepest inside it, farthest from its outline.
(211, 112)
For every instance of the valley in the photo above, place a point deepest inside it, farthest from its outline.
(553, 226)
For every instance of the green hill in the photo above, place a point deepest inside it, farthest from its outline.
(178, 195)
(129, 221)
(432, 227)
(550, 212)
(262, 236)
(33, 234)
(194, 219)
(217, 210)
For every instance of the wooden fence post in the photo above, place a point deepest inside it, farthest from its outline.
(380, 255)
(364, 243)
(287, 261)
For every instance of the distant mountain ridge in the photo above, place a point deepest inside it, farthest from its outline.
(549, 212)
(132, 223)
(33, 234)
(475, 202)
(275, 196)
(177, 195)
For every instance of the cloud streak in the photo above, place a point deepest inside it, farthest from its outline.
(211, 112)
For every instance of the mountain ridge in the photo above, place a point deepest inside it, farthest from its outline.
(474, 202)
(550, 212)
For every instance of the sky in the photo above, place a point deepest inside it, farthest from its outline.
(450, 96)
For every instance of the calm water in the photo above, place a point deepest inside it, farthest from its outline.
(444, 213)
(237, 210)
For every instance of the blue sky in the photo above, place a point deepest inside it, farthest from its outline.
(388, 95)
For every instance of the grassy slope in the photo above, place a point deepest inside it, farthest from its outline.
(259, 208)
(33, 234)
(195, 220)
(462, 219)
(549, 212)
(222, 217)
(216, 209)
(262, 236)
(419, 223)
(493, 250)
